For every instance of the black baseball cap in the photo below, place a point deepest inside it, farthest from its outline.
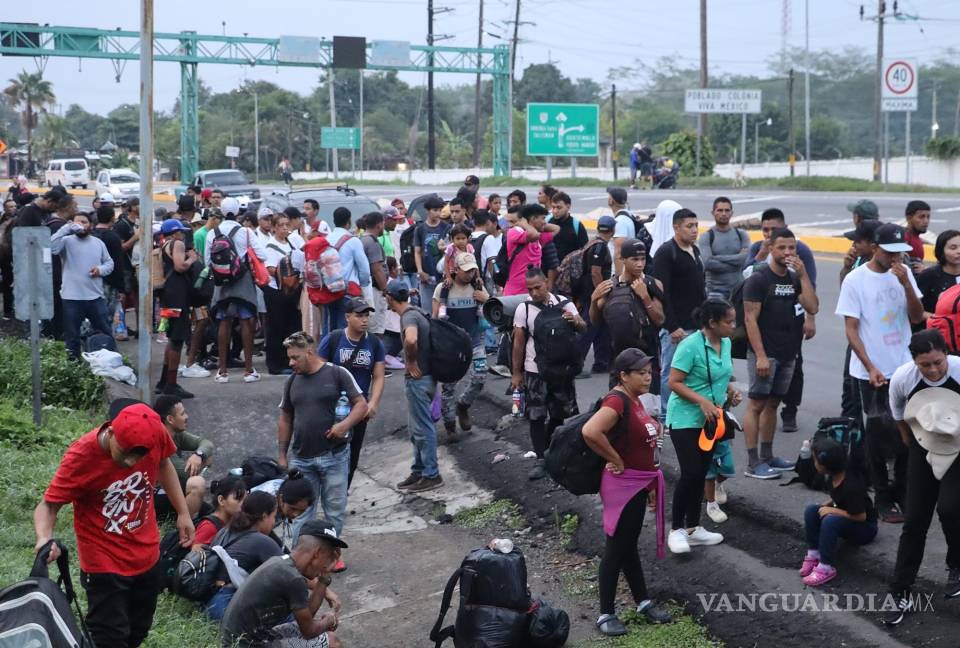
(323, 530)
(398, 290)
(357, 305)
(865, 231)
(186, 203)
(631, 359)
(890, 238)
(866, 209)
(619, 195)
(632, 247)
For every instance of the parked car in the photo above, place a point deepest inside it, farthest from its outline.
(72, 172)
(121, 183)
(233, 183)
(329, 198)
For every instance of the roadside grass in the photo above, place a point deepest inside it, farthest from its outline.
(683, 632)
(503, 511)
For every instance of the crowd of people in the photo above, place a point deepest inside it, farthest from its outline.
(663, 307)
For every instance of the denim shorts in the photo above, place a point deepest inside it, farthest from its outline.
(775, 385)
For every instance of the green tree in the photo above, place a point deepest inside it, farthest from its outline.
(32, 92)
(53, 133)
(84, 126)
(682, 147)
(542, 82)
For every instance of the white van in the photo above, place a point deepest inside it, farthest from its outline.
(72, 172)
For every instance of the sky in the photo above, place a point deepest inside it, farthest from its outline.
(584, 38)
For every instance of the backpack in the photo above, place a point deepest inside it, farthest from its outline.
(477, 244)
(640, 231)
(501, 272)
(494, 602)
(226, 264)
(201, 284)
(549, 626)
(36, 611)
(257, 470)
(408, 259)
(555, 343)
(323, 270)
(845, 431)
(288, 277)
(570, 274)
(451, 351)
(627, 320)
(712, 236)
(946, 318)
(570, 461)
(171, 553)
(196, 575)
(97, 341)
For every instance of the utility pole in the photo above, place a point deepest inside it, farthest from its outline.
(145, 314)
(616, 152)
(806, 84)
(701, 118)
(256, 137)
(335, 154)
(476, 94)
(956, 117)
(934, 125)
(791, 133)
(513, 49)
(431, 134)
(877, 133)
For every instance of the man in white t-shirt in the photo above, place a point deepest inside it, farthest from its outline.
(624, 229)
(878, 301)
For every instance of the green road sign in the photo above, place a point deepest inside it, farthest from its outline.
(563, 129)
(339, 138)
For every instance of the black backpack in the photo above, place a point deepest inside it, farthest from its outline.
(494, 602)
(196, 575)
(451, 351)
(257, 470)
(845, 431)
(36, 611)
(570, 461)
(627, 320)
(640, 231)
(501, 272)
(408, 260)
(171, 553)
(555, 343)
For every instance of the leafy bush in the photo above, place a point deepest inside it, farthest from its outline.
(944, 148)
(66, 383)
(682, 147)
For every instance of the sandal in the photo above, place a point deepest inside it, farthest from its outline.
(610, 626)
(820, 576)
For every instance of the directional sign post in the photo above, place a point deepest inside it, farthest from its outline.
(563, 130)
(335, 137)
(33, 292)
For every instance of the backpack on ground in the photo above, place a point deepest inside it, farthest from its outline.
(408, 259)
(257, 470)
(570, 461)
(845, 431)
(501, 272)
(570, 274)
(946, 318)
(96, 341)
(323, 270)
(36, 611)
(628, 322)
(555, 343)
(549, 626)
(494, 602)
(226, 263)
(451, 351)
(171, 553)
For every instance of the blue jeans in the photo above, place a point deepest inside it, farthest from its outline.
(74, 312)
(598, 336)
(334, 315)
(423, 434)
(667, 349)
(216, 607)
(823, 532)
(328, 474)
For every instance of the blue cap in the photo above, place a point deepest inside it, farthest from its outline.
(503, 222)
(172, 225)
(606, 224)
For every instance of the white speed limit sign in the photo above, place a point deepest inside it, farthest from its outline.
(899, 79)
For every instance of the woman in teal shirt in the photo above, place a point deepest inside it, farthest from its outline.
(700, 382)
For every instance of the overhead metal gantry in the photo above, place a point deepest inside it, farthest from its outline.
(189, 49)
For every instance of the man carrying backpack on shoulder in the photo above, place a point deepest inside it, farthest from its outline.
(546, 361)
(597, 267)
(355, 269)
(627, 226)
(723, 249)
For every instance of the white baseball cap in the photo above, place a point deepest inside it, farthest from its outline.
(230, 205)
(107, 197)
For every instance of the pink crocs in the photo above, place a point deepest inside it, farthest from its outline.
(819, 576)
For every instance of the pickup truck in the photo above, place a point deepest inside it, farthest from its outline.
(233, 183)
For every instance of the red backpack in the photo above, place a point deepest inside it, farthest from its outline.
(946, 318)
(323, 271)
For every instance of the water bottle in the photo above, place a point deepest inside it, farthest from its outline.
(517, 408)
(805, 450)
(503, 545)
(342, 411)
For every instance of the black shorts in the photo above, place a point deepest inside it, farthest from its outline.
(178, 329)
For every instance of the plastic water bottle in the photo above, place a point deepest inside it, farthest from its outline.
(517, 408)
(805, 451)
(503, 545)
(342, 411)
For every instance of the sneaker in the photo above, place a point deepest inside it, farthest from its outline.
(180, 369)
(195, 371)
(393, 362)
(788, 422)
(161, 338)
(251, 377)
(715, 513)
(720, 494)
(610, 626)
(678, 541)
(809, 562)
(904, 607)
(891, 514)
(500, 370)
(411, 479)
(537, 472)
(780, 465)
(451, 429)
(222, 377)
(654, 614)
(952, 588)
(425, 484)
(339, 566)
(702, 537)
(762, 471)
(463, 417)
(175, 390)
(820, 575)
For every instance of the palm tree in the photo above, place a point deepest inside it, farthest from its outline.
(32, 92)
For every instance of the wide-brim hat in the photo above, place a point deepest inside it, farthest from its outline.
(933, 415)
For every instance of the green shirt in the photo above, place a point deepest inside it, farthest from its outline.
(691, 358)
(200, 241)
(386, 243)
(187, 445)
